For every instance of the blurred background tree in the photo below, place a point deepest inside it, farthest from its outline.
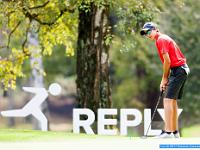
(52, 23)
(135, 66)
(30, 29)
(66, 28)
(183, 26)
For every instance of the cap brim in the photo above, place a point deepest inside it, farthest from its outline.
(143, 31)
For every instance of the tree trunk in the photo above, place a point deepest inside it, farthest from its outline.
(11, 105)
(93, 83)
(37, 70)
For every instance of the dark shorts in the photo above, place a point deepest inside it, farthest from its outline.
(177, 79)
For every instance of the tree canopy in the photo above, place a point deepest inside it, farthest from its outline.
(51, 20)
(134, 66)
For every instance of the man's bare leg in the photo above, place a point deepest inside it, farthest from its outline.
(171, 119)
(175, 116)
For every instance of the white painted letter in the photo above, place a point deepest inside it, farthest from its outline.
(102, 121)
(147, 121)
(161, 112)
(77, 123)
(124, 122)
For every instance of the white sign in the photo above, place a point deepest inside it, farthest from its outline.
(33, 107)
(124, 122)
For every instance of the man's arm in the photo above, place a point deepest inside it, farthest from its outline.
(166, 65)
(166, 71)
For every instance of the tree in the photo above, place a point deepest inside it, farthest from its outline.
(93, 84)
(99, 22)
(30, 29)
(57, 21)
(130, 56)
(183, 27)
(54, 25)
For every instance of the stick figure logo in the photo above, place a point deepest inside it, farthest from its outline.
(33, 107)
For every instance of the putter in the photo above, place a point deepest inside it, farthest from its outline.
(158, 102)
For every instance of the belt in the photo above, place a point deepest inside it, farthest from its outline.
(182, 66)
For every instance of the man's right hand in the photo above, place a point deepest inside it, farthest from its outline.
(163, 84)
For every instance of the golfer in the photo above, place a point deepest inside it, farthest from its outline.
(175, 72)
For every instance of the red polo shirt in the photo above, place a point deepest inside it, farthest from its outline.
(165, 44)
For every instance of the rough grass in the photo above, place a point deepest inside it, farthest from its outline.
(12, 135)
(16, 135)
(192, 131)
(29, 135)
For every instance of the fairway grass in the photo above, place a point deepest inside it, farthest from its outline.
(16, 139)
(192, 131)
(12, 135)
(18, 135)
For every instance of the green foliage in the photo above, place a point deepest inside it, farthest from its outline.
(54, 21)
(126, 95)
(133, 58)
(56, 64)
(131, 15)
(108, 39)
(136, 66)
(83, 4)
(184, 28)
(9, 70)
(64, 32)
